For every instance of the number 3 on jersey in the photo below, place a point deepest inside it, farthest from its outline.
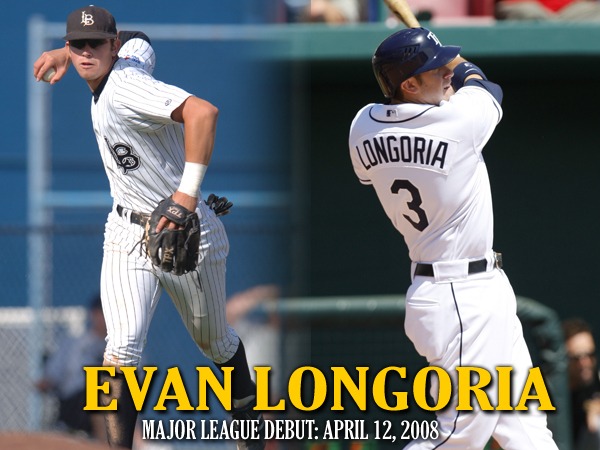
(414, 204)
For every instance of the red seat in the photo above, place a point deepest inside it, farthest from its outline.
(481, 7)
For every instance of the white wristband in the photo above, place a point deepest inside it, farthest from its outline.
(193, 174)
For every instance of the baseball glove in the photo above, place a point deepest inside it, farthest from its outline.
(220, 205)
(173, 251)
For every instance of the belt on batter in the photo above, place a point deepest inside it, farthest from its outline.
(134, 217)
(478, 266)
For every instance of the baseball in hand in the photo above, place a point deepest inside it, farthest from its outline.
(48, 74)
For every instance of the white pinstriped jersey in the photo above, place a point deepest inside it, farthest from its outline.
(143, 154)
(426, 166)
(139, 52)
(141, 146)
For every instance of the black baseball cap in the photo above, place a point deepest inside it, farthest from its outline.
(90, 22)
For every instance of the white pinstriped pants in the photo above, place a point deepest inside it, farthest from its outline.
(131, 288)
(473, 322)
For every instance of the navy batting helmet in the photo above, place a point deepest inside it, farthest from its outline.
(406, 53)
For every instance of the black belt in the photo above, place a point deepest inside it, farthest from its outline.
(426, 270)
(134, 217)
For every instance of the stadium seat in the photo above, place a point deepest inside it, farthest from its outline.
(481, 7)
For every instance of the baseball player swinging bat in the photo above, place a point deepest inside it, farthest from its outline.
(401, 9)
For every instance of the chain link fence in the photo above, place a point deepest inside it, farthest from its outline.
(17, 387)
(28, 328)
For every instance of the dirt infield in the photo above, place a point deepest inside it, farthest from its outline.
(47, 441)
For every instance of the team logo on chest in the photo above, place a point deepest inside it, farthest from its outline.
(124, 156)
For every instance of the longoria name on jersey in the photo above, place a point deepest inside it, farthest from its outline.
(407, 149)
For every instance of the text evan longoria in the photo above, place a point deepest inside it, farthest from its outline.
(472, 385)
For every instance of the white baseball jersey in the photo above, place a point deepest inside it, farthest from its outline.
(143, 153)
(141, 146)
(426, 165)
(139, 52)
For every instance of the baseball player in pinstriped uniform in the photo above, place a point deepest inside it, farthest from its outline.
(422, 152)
(149, 156)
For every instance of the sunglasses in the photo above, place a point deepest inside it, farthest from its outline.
(93, 43)
(580, 356)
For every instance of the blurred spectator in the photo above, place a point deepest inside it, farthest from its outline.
(328, 11)
(584, 384)
(294, 9)
(65, 378)
(562, 10)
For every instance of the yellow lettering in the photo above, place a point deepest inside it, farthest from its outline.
(223, 392)
(173, 380)
(262, 391)
(444, 388)
(358, 393)
(535, 382)
(504, 389)
(92, 387)
(138, 395)
(295, 391)
(465, 388)
(379, 390)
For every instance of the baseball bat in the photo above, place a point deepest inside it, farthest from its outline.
(401, 9)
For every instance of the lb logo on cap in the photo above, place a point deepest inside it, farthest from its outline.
(91, 22)
(86, 19)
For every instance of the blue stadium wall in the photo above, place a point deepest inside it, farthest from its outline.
(249, 151)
